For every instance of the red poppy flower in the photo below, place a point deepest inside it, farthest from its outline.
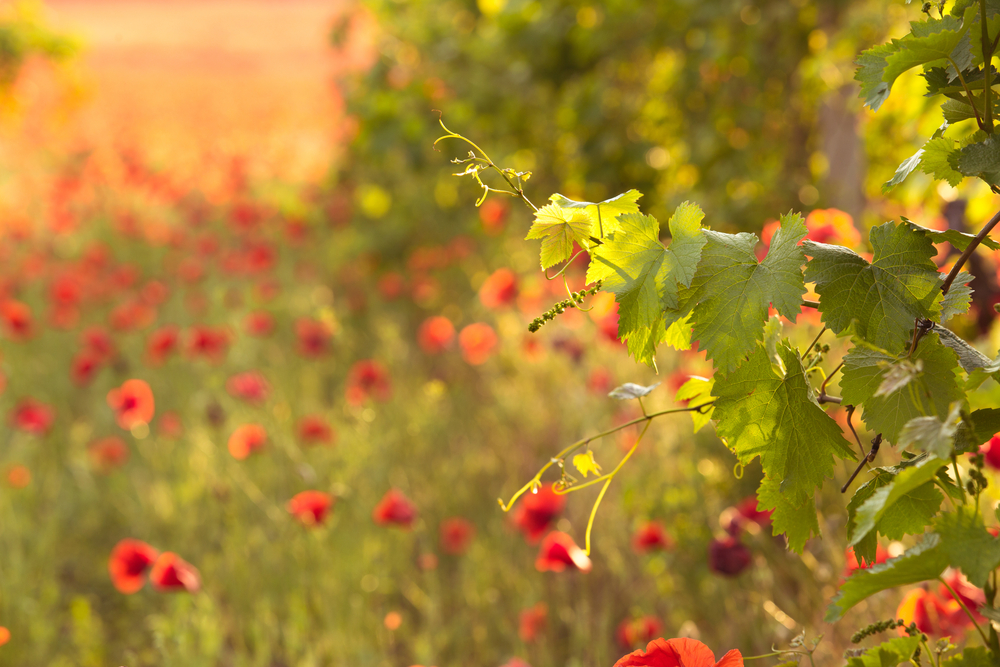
(314, 430)
(499, 290)
(634, 631)
(515, 662)
(532, 622)
(852, 564)
(679, 653)
(310, 507)
(559, 551)
(17, 321)
(33, 417)
(537, 513)
(991, 452)
(395, 508)
(745, 516)
(259, 323)
(172, 573)
(391, 285)
(492, 213)
(133, 403)
(250, 387)
(161, 344)
(477, 340)
(728, 556)
(314, 337)
(368, 379)
(651, 536)
(98, 342)
(171, 425)
(456, 535)
(107, 454)
(4, 635)
(246, 440)
(18, 476)
(207, 342)
(128, 563)
(973, 598)
(436, 334)
(84, 367)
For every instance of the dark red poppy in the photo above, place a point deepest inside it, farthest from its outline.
(532, 622)
(436, 334)
(637, 631)
(314, 430)
(172, 573)
(991, 452)
(745, 515)
(558, 552)
(133, 403)
(128, 563)
(478, 341)
(33, 417)
(499, 290)
(107, 454)
(17, 321)
(537, 512)
(246, 440)
(728, 556)
(259, 323)
(310, 507)
(368, 379)
(314, 337)
(456, 535)
(395, 509)
(679, 653)
(98, 341)
(84, 367)
(207, 342)
(651, 536)
(161, 344)
(249, 386)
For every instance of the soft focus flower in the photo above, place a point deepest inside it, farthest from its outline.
(172, 573)
(314, 337)
(499, 290)
(17, 321)
(745, 515)
(456, 535)
(207, 342)
(477, 340)
(537, 512)
(640, 631)
(391, 285)
(171, 425)
(246, 440)
(532, 622)
(4, 635)
(84, 367)
(492, 214)
(938, 613)
(558, 552)
(128, 563)
(515, 662)
(679, 653)
(310, 507)
(728, 556)
(991, 452)
(436, 334)
(107, 454)
(33, 417)
(133, 403)
(368, 379)
(314, 430)
(852, 561)
(249, 386)
(651, 536)
(831, 225)
(161, 344)
(259, 323)
(395, 508)
(18, 476)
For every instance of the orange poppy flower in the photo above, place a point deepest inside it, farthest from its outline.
(436, 334)
(172, 573)
(4, 635)
(310, 507)
(133, 403)
(558, 552)
(679, 653)
(395, 508)
(247, 439)
(128, 563)
(477, 340)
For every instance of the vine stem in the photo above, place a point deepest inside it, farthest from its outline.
(966, 610)
(955, 270)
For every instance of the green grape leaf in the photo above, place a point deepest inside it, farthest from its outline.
(559, 228)
(678, 334)
(968, 545)
(794, 516)
(972, 656)
(969, 357)
(980, 159)
(882, 298)
(931, 392)
(958, 298)
(937, 158)
(603, 214)
(919, 563)
(871, 67)
(644, 276)
(959, 240)
(931, 435)
(978, 376)
(898, 376)
(902, 487)
(631, 390)
(887, 654)
(697, 391)
(732, 289)
(761, 413)
(904, 169)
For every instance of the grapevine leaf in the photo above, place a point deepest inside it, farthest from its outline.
(586, 463)
(969, 357)
(887, 654)
(871, 67)
(937, 160)
(981, 159)
(959, 240)
(678, 334)
(732, 289)
(885, 495)
(697, 391)
(559, 228)
(958, 298)
(905, 168)
(972, 656)
(924, 561)
(630, 390)
(883, 297)
(610, 209)
(930, 393)
(898, 376)
(794, 515)
(930, 434)
(979, 375)
(968, 545)
(764, 414)
(909, 515)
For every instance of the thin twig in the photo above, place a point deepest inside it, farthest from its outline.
(955, 270)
